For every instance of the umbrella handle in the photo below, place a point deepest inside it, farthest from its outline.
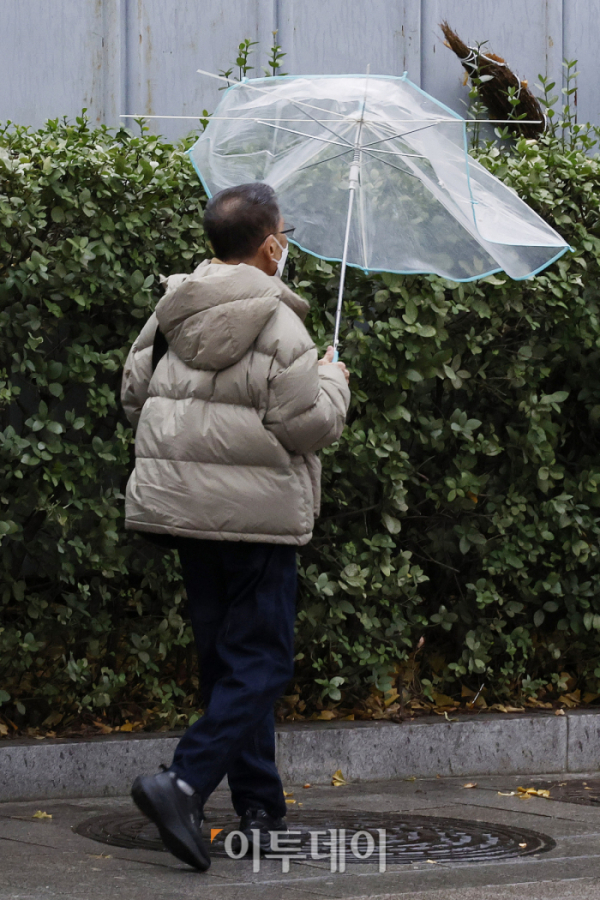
(336, 356)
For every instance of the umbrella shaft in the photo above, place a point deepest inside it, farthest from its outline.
(338, 313)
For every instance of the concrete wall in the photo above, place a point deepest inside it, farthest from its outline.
(141, 56)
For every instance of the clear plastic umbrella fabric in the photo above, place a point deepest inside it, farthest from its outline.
(422, 204)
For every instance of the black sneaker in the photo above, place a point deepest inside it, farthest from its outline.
(259, 819)
(177, 815)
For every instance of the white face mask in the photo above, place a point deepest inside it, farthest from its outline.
(281, 262)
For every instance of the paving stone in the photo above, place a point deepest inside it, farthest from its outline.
(575, 889)
(42, 860)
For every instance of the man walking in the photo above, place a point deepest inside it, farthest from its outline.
(227, 421)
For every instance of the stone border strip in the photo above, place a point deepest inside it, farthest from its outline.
(312, 751)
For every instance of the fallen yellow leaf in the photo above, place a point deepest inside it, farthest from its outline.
(443, 700)
(126, 727)
(288, 793)
(41, 815)
(470, 784)
(306, 785)
(538, 704)
(327, 715)
(3, 729)
(506, 794)
(338, 779)
(104, 728)
(522, 845)
(533, 792)
(568, 700)
(53, 719)
(290, 801)
(418, 704)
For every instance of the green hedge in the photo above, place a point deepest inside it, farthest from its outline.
(460, 507)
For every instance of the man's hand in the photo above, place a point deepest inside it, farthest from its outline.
(328, 361)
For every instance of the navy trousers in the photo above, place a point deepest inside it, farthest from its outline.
(242, 603)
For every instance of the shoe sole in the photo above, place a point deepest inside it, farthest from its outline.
(152, 803)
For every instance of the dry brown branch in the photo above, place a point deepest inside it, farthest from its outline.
(494, 91)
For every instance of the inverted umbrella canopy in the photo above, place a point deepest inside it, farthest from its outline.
(423, 205)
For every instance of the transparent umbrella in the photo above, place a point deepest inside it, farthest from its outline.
(374, 173)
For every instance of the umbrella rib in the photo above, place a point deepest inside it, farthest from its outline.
(400, 134)
(240, 118)
(295, 102)
(391, 165)
(395, 152)
(342, 118)
(361, 205)
(309, 137)
(299, 104)
(412, 175)
(331, 131)
(262, 90)
(328, 159)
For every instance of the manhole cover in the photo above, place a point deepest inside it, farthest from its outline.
(408, 838)
(586, 793)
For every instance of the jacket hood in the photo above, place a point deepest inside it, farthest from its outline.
(211, 317)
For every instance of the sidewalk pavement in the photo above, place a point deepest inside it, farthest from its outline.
(45, 858)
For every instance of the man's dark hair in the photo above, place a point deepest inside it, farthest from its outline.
(238, 219)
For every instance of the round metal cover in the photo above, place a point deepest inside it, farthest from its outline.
(409, 838)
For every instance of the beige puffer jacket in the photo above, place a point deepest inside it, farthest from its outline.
(228, 424)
